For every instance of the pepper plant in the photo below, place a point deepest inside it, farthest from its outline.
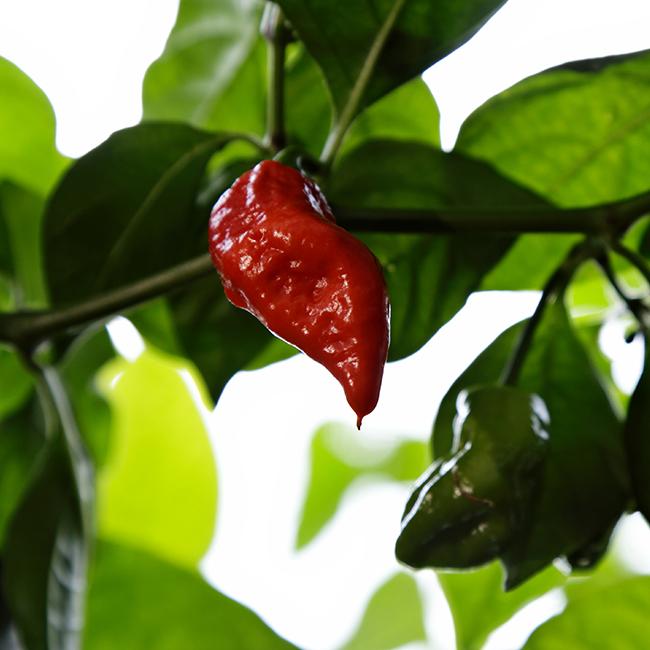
(535, 455)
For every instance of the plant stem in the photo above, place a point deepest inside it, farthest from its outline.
(634, 305)
(28, 329)
(634, 258)
(554, 287)
(353, 102)
(274, 30)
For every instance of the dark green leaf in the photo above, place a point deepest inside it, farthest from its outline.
(393, 618)
(139, 601)
(20, 244)
(577, 138)
(211, 73)
(429, 276)
(479, 605)
(468, 506)
(340, 36)
(340, 455)
(45, 550)
(28, 155)
(159, 460)
(637, 438)
(615, 616)
(20, 442)
(126, 209)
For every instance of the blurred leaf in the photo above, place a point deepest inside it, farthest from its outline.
(577, 138)
(20, 442)
(20, 244)
(159, 460)
(46, 545)
(529, 262)
(15, 382)
(429, 276)
(340, 455)
(612, 617)
(28, 155)
(211, 73)
(340, 36)
(107, 224)
(479, 605)
(139, 601)
(79, 369)
(637, 440)
(394, 617)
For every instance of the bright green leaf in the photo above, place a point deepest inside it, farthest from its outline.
(479, 605)
(340, 455)
(158, 487)
(139, 601)
(577, 138)
(393, 618)
(615, 616)
(28, 155)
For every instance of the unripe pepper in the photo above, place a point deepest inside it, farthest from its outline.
(281, 256)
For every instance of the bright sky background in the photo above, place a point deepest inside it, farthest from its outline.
(89, 57)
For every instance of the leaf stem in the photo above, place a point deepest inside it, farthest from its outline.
(553, 288)
(274, 30)
(355, 97)
(634, 258)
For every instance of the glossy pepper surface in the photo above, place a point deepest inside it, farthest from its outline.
(281, 256)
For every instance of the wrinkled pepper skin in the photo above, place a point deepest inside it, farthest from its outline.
(281, 256)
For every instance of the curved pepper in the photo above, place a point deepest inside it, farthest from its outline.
(281, 256)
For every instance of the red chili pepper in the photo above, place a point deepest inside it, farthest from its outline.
(281, 256)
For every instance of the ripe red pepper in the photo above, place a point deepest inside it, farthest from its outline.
(281, 256)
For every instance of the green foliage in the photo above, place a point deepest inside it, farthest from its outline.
(107, 224)
(159, 460)
(429, 276)
(339, 456)
(28, 155)
(611, 617)
(393, 618)
(340, 36)
(479, 605)
(139, 601)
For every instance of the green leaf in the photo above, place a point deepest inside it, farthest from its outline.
(46, 543)
(467, 508)
(612, 617)
(340, 37)
(108, 224)
(28, 155)
(159, 460)
(211, 73)
(21, 212)
(139, 601)
(15, 382)
(577, 138)
(479, 605)
(393, 618)
(20, 443)
(637, 441)
(339, 456)
(429, 276)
